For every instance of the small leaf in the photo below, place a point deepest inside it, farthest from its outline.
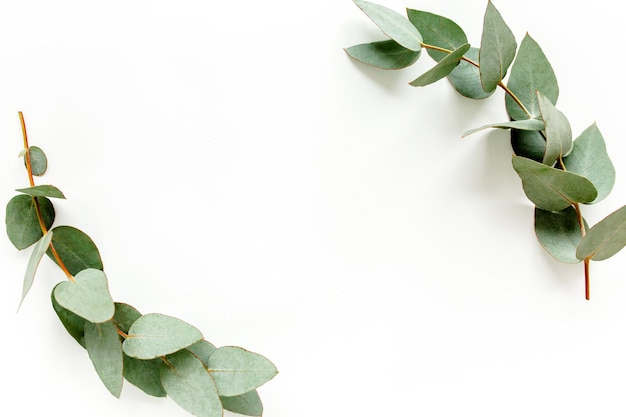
(42, 191)
(465, 78)
(387, 55)
(237, 371)
(202, 350)
(105, 351)
(558, 131)
(145, 375)
(248, 404)
(531, 72)
(74, 324)
(590, 159)
(559, 233)
(38, 161)
(529, 124)
(21, 220)
(442, 69)
(552, 189)
(154, 335)
(604, 239)
(87, 296)
(76, 249)
(437, 31)
(38, 252)
(125, 315)
(497, 49)
(528, 144)
(393, 24)
(187, 382)
(22, 153)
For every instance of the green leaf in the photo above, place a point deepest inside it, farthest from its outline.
(531, 72)
(248, 404)
(76, 249)
(552, 189)
(604, 239)
(38, 161)
(187, 382)
(497, 49)
(105, 351)
(38, 251)
(125, 315)
(559, 233)
(442, 69)
(590, 159)
(237, 371)
(145, 375)
(202, 350)
(154, 335)
(528, 144)
(74, 324)
(42, 191)
(530, 124)
(558, 131)
(393, 24)
(87, 296)
(465, 78)
(387, 55)
(437, 31)
(21, 220)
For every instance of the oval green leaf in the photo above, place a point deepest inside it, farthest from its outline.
(530, 124)
(558, 131)
(248, 404)
(604, 239)
(497, 49)
(552, 189)
(465, 78)
(393, 24)
(38, 161)
(38, 251)
(145, 375)
(87, 296)
(76, 249)
(442, 69)
(105, 351)
(437, 31)
(528, 144)
(387, 55)
(237, 371)
(125, 315)
(531, 72)
(42, 191)
(22, 224)
(187, 382)
(154, 335)
(202, 350)
(590, 159)
(559, 233)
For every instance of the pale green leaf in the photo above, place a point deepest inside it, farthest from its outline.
(550, 188)
(590, 159)
(465, 78)
(393, 24)
(604, 239)
(531, 72)
(42, 191)
(87, 296)
(145, 375)
(387, 55)
(153, 335)
(437, 31)
(442, 68)
(559, 233)
(187, 382)
(38, 161)
(38, 252)
(529, 124)
(248, 404)
(237, 371)
(22, 224)
(202, 350)
(497, 49)
(105, 351)
(76, 249)
(558, 132)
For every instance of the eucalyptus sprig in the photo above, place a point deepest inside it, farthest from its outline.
(559, 174)
(160, 354)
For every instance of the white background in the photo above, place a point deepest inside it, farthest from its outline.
(237, 170)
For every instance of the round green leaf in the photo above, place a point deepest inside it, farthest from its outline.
(154, 335)
(465, 78)
(105, 351)
(442, 69)
(76, 249)
(42, 191)
(437, 31)
(559, 233)
(387, 55)
(237, 371)
(187, 382)
(604, 239)
(248, 404)
(38, 161)
(87, 296)
(145, 375)
(21, 220)
(393, 24)
(497, 49)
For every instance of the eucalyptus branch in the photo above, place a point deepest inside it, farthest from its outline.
(541, 135)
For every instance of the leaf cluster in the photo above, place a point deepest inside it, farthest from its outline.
(558, 173)
(160, 354)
